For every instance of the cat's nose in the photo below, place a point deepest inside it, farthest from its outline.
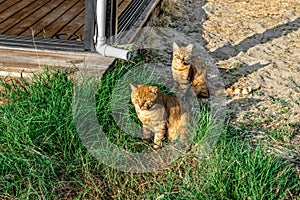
(141, 104)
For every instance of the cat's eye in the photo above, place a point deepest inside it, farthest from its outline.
(134, 99)
(177, 56)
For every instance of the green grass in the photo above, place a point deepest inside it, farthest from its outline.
(42, 156)
(281, 134)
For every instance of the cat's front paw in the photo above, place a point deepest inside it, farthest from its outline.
(183, 88)
(147, 140)
(157, 145)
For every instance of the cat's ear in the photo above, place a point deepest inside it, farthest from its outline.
(134, 87)
(154, 89)
(189, 47)
(175, 46)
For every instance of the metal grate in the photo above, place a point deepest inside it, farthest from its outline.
(41, 44)
(111, 21)
(131, 14)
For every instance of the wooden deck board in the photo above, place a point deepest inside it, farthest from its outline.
(63, 20)
(32, 61)
(13, 24)
(80, 32)
(1, 1)
(7, 5)
(14, 8)
(75, 27)
(49, 19)
(46, 18)
(25, 17)
(28, 25)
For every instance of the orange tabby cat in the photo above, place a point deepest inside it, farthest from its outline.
(163, 115)
(189, 70)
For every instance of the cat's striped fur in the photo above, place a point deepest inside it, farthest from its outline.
(238, 91)
(189, 71)
(242, 90)
(163, 115)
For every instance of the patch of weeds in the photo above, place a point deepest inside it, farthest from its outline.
(258, 92)
(280, 134)
(294, 125)
(44, 34)
(161, 23)
(105, 101)
(38, 143)
(239, 172)
(284, 104)
(237, 64)
(296, 85)
(279, 100)
(234, 170)
(251, 125)
(232, 70)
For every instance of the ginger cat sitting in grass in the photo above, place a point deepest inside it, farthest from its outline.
(189, 70)
(163, 115)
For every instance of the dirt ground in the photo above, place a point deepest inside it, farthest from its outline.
(253, 43)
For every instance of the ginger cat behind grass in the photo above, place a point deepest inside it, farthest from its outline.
(163, 115)
(189, 71)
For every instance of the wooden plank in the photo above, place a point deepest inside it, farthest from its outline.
(55, 27)
(122, 6)
(119, 2)
(50, 18)
(80, 32)
(13, 60)
(1, 1)
(9, 11)
(28, 23)
(70, 31)
(15, 19)
(7, 4)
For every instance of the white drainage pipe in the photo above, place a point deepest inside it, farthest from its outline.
(101, 46)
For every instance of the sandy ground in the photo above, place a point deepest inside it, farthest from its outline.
(253, 43)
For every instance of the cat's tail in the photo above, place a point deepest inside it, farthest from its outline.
(241, 91)
(201, 90)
